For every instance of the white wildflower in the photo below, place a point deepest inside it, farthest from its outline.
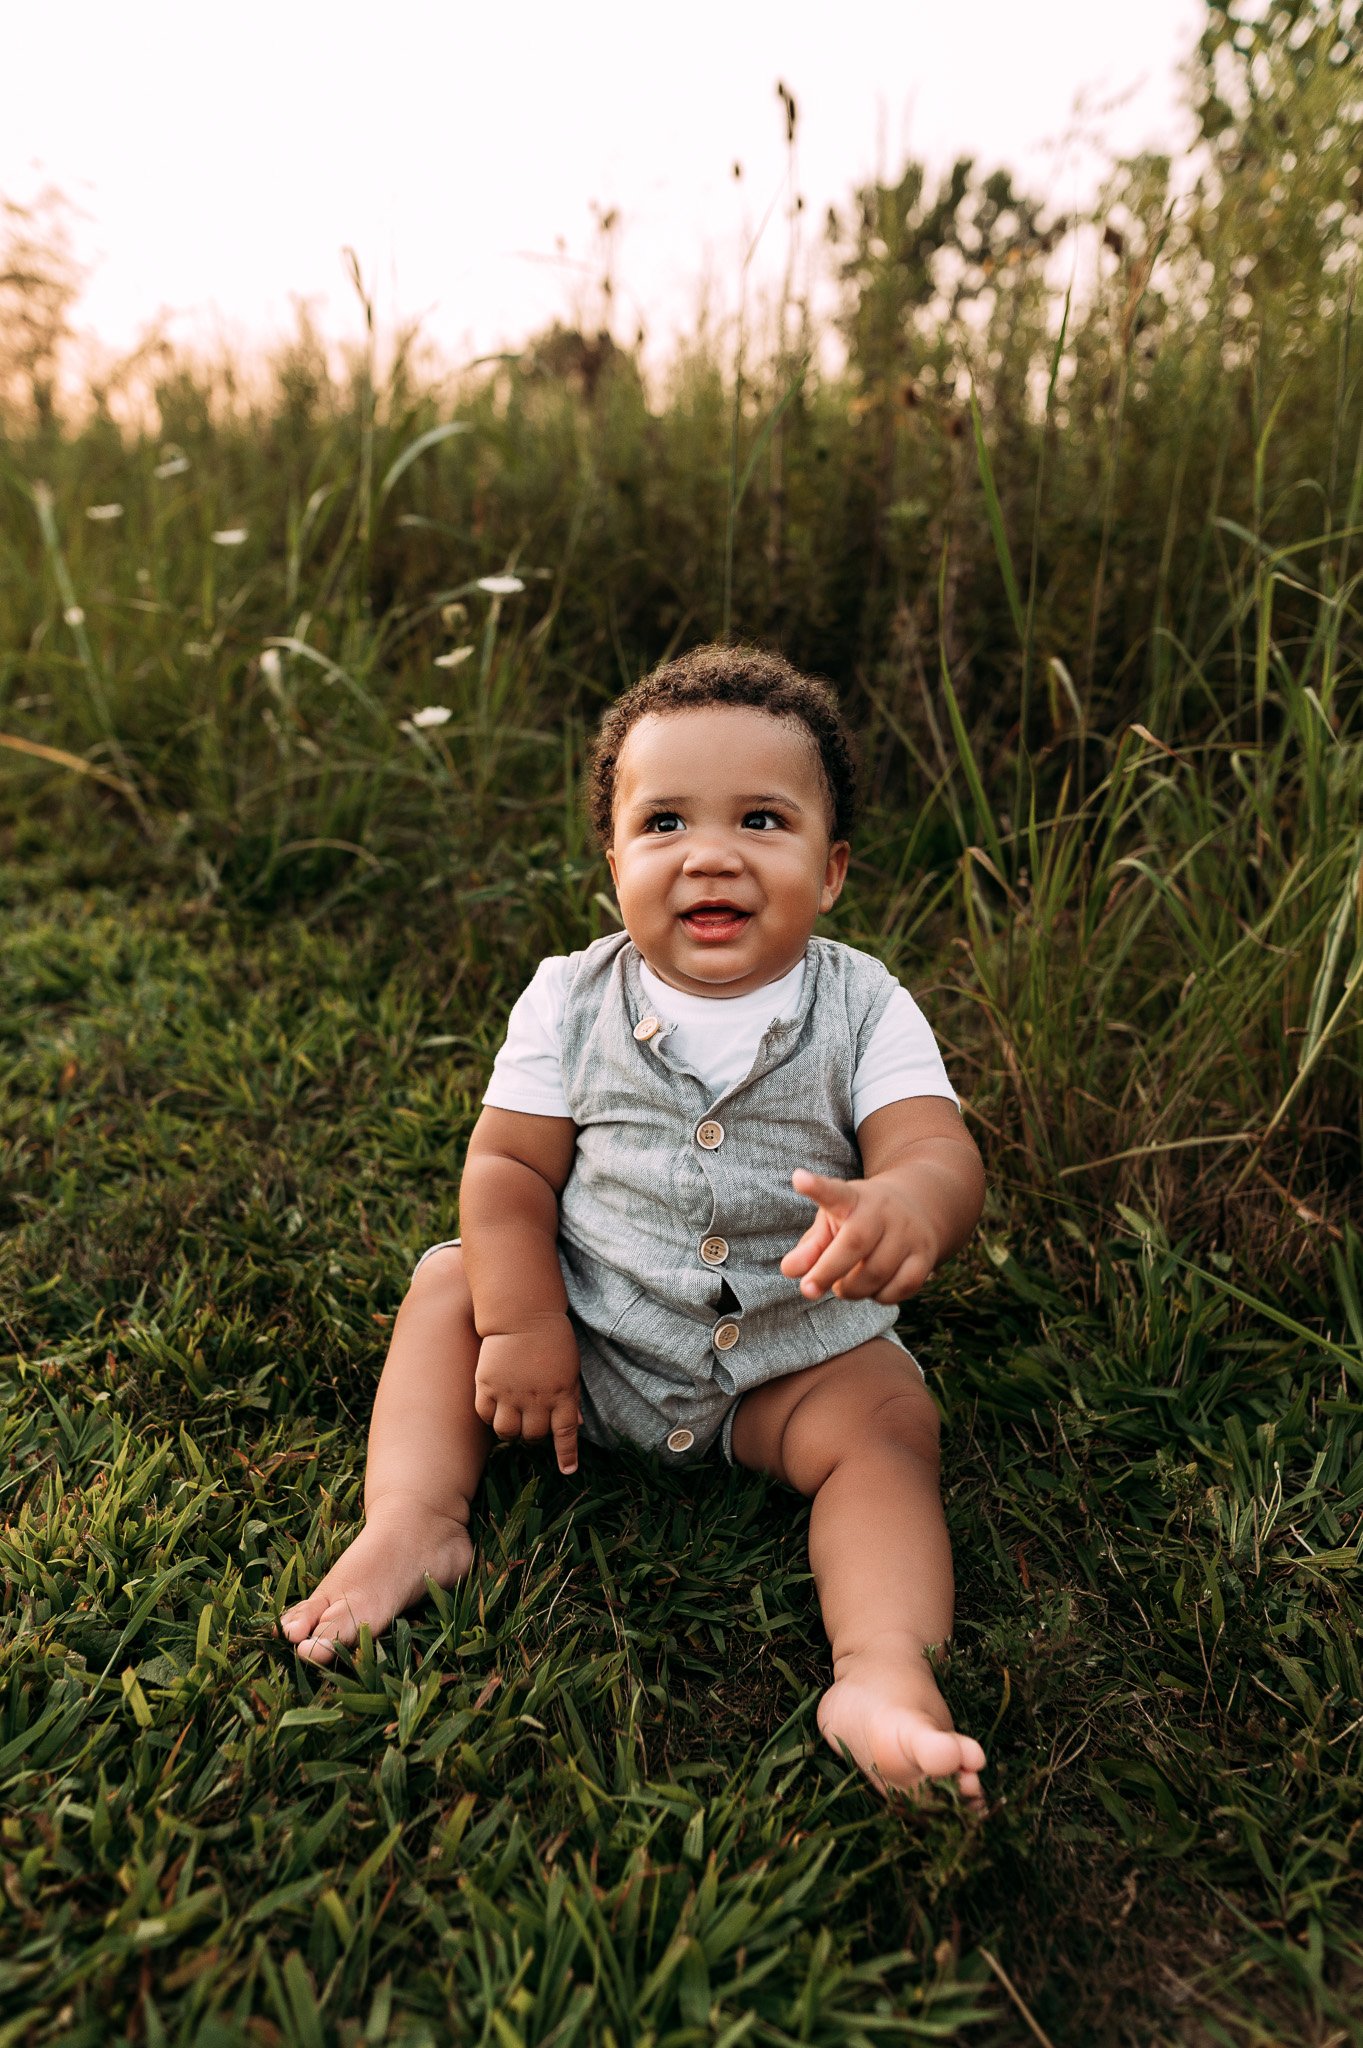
(500, 586)
(454, 659)
(74, 615)
(174, 463)
(104, 511)
(431, 714)
(271, 667)
(228, 536)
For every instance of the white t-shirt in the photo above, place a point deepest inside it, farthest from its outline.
(716, 1036)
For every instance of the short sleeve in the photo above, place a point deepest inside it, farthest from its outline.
(527, 1074)
(901, 1060)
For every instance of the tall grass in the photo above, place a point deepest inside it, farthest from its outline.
(1086, 572)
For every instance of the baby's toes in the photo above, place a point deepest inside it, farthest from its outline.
(939, 1752)
(972, 1756)
(300, 1621)
(336, 1624)
(316, 1650)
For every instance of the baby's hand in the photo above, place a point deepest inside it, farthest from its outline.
(526, 1385)
(867, 1239)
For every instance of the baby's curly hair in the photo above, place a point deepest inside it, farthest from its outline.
(729, 675)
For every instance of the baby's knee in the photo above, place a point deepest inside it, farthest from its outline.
(908, 1420)
(879, 1409)
(440, 1276)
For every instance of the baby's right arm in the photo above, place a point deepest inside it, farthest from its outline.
(528, 1364)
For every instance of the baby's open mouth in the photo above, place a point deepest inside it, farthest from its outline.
(715, 921)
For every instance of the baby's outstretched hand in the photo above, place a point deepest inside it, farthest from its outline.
(526, 1385)
(868, 1239)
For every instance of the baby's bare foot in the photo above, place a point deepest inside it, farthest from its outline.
(402, 1544)
(896, 1724)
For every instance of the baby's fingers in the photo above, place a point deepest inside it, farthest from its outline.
(506, 1420)
(853, 1243)
(567, 1416)
(906, 1281)
(838, 1195)
(815, 1241)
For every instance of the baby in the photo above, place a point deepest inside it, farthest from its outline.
(638, 1260)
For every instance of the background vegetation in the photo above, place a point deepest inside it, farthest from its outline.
(1086, 567)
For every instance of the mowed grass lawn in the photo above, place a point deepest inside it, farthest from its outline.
(583, 1799)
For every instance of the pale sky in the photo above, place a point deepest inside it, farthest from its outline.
(223, 157)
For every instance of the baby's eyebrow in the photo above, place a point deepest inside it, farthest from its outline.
(745, 803)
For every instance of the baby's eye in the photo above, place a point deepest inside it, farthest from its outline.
(762, 821)
(664, 822)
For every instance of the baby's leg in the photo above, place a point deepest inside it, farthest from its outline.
(859, 1433)
(427, 1449)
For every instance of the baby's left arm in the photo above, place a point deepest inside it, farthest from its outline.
(918, 1201)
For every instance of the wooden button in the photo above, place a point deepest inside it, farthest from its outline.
(714, 1251)
(646, 1028)
(710, 1135)
(680, 1440)
(725, 1336)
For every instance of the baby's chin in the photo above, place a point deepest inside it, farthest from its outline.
(712, 975)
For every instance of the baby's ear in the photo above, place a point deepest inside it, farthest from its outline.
(610, 863)
(835, 874)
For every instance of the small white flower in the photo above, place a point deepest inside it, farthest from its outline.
(104, 511)
(176, 465)
(500, 586)
(144, 575)
(271, 667)
(74, 615)
(228, 536)
(454, 658)
(431, 714)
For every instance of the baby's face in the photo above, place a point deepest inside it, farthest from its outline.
(721, 855)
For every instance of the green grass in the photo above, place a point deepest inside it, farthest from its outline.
(583, 1797)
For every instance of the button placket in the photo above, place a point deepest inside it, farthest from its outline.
(714, 1249)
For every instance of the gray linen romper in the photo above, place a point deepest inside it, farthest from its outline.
(679, 1209)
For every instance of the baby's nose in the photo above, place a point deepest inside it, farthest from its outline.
(713, 854)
